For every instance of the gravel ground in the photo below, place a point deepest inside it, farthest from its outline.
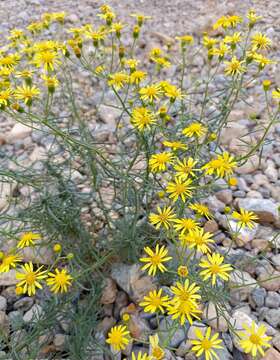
(258, 186)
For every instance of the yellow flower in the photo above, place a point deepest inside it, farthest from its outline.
(26, 74)
(186, 292)
(140, 18)
(161, 61)
(155, 260)
(222, 165)
(155, 301)
(118, 337)
(234, 39)
(125, 317)
(253, 339)
(178, 188)
(202, 210)
(227, 21)
(9, 61)
(182, 271)
(47, 59)
(220, 51)
(139, 356)
(260, 41)
(276, 93)
(185, 225)
(164, 217)
(185, 39)
(57, 248)
(262, 60)
(175, 145)
(252, 17)
(137, 76)
(117, 28)
(27, 239)
(118, 80)
(158, 162)
(50, 81)
(234, 66)
(184, 310)
(27, 93)
(142, 118)
(5, 97)
(209, 42)
(194, 129)
(200, 240)
(214, 268)
(206, 344)
(156, 352)
(185, 168)
(9, 261)
(30, 279)
(60, 281)
(245, 218)
(232, 181)
(173, 92)
(150, 93)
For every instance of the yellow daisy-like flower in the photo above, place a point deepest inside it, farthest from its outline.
(154, 301)
(142, 118)
(222, 165)
(182, 271)
(59, 281)
(253, 339)
(209, 42)
(234, 39)
(185, 240)
(151, 93)
(137, 76)
(173, 92)
(260, 41)
(185, 225)
(140, 356)
(118, 80)
(27, 239)
(185, 168)
(50, 81)
(179, 188)
(158, 162)
(276, 93)
(220, 51)
(9, 61)
(186, 292)
(262, 60)
(245, 218)
(234, 66)
(30, 279)
(206, 344)
(200, 240)
(155, 260)
(194, 129)
(183, 310)
(118, 337)
(47, 59)
(140, 18)
(252, 17)
(9, 261)
(175, 145)
(164, 217)
(5, 97)
(27, 93)
(201, 209)
(156, 352)
(214, 268)
(185, 39)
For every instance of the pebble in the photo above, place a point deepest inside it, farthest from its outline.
(217, 320)
(24, 303)
(272, 300)
(257, 297)
(3, 303)
(271, 354)
(109, 292)
(272, 316)
(4, 324)
(33, 314)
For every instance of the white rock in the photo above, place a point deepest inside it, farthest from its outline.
(33, 314)
(217, 320)
(19, 131)
(8, 278)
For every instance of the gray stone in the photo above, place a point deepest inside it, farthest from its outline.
(24, 303)
(225, 196)
(272, 316)
(60, 342)
(4, 324)
(3, 303)
(257, 297)
(272, 300)
(33, 314)
(178, 336)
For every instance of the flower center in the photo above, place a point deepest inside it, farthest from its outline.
(206, 344)
(61, 279)
(180, 188)
(215, 269)
(30, 278)
(156, 259)
(255, 339)
(158, 353)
